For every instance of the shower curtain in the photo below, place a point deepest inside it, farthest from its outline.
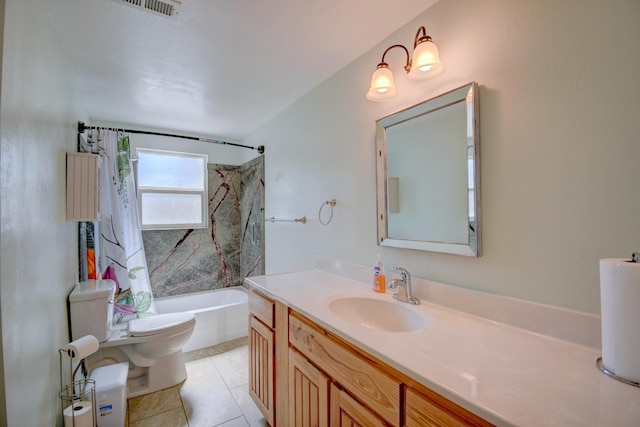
(120, 250)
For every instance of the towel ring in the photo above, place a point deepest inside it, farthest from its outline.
(331, 204)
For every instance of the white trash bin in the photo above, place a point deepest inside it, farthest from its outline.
(111, 394)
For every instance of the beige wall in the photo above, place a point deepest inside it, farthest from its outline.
(38, 257)
(559, 112)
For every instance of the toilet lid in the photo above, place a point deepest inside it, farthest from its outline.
(159, 323)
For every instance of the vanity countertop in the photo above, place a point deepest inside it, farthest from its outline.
(506, 375)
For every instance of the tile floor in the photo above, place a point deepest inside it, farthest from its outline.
(215, 393)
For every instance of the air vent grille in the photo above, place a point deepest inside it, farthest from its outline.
(162, 7)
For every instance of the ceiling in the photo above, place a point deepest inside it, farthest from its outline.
(220, 68)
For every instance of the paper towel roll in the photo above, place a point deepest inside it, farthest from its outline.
(620, 309)
(80, 414)
(83, 347)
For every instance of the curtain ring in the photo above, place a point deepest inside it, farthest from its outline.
(331, 203)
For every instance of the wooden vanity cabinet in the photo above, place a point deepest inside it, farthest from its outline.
(303, 375)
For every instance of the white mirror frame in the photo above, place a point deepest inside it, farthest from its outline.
(472, 248)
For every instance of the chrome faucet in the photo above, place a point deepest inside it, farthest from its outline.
(404, 287)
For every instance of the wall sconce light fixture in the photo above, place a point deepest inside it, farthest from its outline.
(425, 64)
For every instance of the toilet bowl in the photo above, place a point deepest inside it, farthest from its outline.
(151, 345)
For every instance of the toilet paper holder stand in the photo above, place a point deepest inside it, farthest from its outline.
(635, 257)
(610, 374)
(75, 395)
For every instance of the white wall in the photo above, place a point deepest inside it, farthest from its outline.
(559, 115)
(38, 256)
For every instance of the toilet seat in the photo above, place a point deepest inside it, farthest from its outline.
(161, 323)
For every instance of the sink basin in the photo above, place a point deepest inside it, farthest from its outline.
(377, 314)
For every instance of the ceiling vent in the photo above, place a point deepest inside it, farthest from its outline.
(162, 7)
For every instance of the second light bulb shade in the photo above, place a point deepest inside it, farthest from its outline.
(426, 61)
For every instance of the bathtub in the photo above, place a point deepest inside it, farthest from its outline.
(221, 315)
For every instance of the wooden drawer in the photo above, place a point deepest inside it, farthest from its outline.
(347, 412)
(358, 375)
(432, 410)
(262, 308)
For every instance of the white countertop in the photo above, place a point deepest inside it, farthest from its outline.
(506, 375)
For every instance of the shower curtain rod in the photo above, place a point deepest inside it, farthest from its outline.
(82, 127)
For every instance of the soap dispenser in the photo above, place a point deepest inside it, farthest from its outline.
(379, 278)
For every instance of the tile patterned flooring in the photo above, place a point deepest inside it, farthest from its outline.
(215, 393)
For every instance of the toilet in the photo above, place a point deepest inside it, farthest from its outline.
(151, 345)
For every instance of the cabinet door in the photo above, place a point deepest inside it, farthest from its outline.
(261, 380)
(347, 412)
(308, 393)
(436, 411)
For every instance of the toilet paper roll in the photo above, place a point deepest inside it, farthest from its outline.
(620, 309)
(81, 348)
(80, 414)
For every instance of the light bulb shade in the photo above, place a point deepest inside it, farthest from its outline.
(382, 86)
(426, 61)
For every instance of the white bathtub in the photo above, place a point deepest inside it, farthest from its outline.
(221, 315)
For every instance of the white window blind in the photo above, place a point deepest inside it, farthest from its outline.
(172, 189)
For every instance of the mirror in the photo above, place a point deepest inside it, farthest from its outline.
(427, 175)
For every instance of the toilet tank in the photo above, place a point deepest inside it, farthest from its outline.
(91, 309)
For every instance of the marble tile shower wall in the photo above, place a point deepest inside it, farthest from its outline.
(252, 218)
(186, 261)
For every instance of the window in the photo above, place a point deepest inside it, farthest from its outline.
(172, 189)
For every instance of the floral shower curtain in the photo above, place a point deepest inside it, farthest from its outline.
(120, 250)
